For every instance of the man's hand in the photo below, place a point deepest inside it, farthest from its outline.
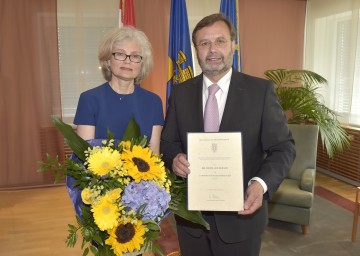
(253, 198)
(181, 165)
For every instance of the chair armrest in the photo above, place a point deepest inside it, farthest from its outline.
(307, 180)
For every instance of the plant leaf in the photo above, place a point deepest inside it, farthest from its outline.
(179, 207)
(72, 236)
(74, 141)
(296, 90)
(132, 131)
(193, 216)
(94, 250)
(86, 252)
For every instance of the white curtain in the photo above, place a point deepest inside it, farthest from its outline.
(332, 49)
(81, 26)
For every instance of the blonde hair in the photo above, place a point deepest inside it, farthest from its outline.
(120, 35)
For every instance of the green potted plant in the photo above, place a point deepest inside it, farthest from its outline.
(297, 91)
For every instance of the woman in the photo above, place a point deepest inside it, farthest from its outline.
(126, 59)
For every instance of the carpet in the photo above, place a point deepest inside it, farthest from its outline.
(329, 232)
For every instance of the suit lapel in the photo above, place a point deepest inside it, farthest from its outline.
(234, 106)
(195, 101)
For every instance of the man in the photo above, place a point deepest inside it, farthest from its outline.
(246, 104)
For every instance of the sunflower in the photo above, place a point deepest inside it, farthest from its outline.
(101, 162)
(142, 165)
(106, 213)
(126, 236)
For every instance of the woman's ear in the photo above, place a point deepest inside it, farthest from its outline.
(108, 66)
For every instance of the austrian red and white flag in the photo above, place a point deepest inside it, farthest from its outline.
(126, 13)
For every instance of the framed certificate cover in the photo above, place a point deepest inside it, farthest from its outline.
(215, 182)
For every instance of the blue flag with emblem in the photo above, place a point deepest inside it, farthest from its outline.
(180, 60)
(230, 9)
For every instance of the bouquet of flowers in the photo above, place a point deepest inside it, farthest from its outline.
(125, 189)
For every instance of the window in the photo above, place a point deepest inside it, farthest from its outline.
(81, 26)
(332, 50)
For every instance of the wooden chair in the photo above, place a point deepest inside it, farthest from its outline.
(356, 214)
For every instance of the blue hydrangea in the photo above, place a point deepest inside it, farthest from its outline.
(146, 192)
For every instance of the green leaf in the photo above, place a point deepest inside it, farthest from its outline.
(132, 131)
(297, 94)
(156, 249)
(86, 252)
(84, 242)
(94, 250)
(98, 239)
(152, 225)
(179, 206)
(110, 135)
(87, 233)
(143, 142)
(72, 236)
(53, 164)
(74, 141)
(105, 251)
(193, 216)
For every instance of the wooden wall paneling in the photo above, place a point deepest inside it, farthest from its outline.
(345, 164)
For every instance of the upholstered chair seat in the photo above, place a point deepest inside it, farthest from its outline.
(295, 197)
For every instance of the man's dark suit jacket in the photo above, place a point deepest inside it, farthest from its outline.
(252, 108)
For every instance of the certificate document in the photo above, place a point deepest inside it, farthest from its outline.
(215, 182)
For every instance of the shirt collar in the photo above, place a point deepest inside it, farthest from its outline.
(223, 83)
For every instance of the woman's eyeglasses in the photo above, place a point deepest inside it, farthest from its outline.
(122, 56)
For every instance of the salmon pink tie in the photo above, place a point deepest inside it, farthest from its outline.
(211, 114)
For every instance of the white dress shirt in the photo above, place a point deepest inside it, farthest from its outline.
(221, 96)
